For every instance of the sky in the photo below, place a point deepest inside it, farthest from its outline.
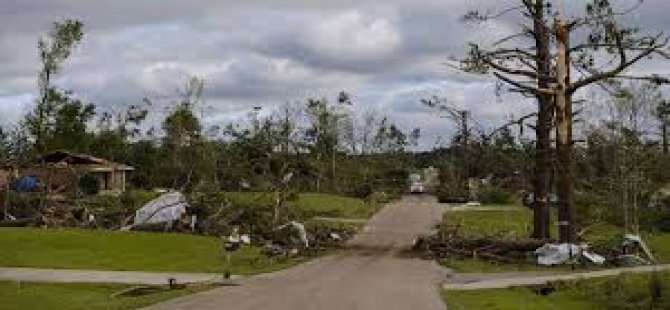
(386, 54)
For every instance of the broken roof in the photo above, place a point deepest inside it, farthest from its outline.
(80, 159)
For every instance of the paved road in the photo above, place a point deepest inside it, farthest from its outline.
(369, 276)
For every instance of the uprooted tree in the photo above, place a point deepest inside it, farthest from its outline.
(540, 61)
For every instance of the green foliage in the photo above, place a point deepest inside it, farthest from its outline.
(182, 147)
(136, 198)
(56, 48)
(452, 192)
(657, 215)
(494, 194)
(55, 115)
(61, 122)
(5, 147)
(362, 190)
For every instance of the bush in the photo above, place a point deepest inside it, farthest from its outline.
(136, 198)
(658, 215)
(22, 205)
(493, 194)
(105, 202)
(454, 192)
(362, 190)
(380, 197)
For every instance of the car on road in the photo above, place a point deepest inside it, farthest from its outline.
(417, 188)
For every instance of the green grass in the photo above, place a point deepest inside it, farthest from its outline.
(309, 205)
(467, 265)
(511, 299)
(518, 223)
(315, 204)
(114, 250)
(623, 292)
(507, 223)
(59, 296)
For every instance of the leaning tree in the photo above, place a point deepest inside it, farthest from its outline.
(542, 61)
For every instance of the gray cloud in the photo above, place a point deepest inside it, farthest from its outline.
(267, 53)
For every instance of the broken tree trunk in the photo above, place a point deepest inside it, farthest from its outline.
(664, 133)
(563, 108)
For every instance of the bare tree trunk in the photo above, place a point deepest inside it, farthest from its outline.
(541, 214)
(564, 135)
(664, 133)
(5, 204)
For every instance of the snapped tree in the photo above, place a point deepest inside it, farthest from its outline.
(544, 69)
(53, 50)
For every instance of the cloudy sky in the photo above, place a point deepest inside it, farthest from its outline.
(387, 54)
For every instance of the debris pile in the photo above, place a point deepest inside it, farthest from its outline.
(509, 250)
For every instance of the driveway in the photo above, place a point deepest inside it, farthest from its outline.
(370, 275)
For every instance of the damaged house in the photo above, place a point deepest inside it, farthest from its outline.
(63, 172)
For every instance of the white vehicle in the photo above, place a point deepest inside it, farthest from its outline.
(417, 188)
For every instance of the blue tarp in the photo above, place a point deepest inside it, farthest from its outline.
(25, 184)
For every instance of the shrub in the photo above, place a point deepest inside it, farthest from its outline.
(493, 194)
(362, 190)
(454, 192)
(136, 198)
(658, 215)
(380, 197)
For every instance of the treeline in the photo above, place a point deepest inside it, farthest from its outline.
(323, 145)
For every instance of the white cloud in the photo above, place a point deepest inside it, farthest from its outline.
(356, 35)
(12, 108)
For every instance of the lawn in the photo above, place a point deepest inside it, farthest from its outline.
(324, 205)
(59, 296)
(624, 292)
(309, 205)
(517, 222)
(114, 250)
(507, 223)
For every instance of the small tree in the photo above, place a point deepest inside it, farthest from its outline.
(53, 50)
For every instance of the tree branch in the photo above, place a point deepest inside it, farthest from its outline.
(624, 63)
(523, 87)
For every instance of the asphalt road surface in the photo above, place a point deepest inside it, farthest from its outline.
(371, 275)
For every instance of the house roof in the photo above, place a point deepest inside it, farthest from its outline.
(82, 159)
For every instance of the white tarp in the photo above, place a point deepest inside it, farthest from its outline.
(167, 207)
(299, 229)
(555, 254)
